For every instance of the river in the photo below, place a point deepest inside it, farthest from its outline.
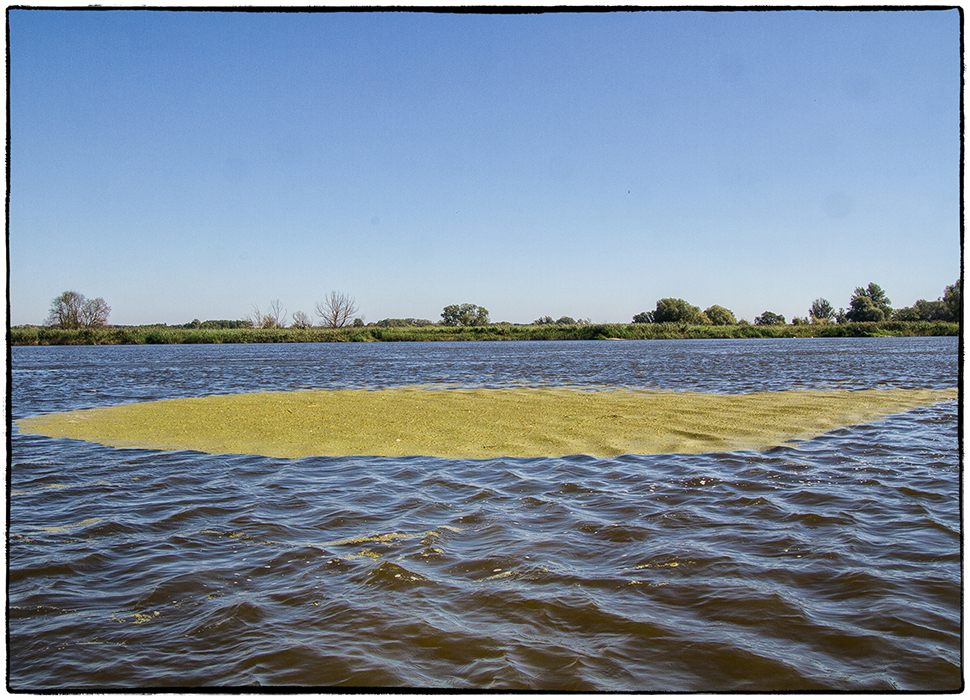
(831, 564)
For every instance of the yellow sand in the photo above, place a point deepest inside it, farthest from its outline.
(478, 423)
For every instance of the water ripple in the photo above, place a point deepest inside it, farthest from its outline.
(830, 564)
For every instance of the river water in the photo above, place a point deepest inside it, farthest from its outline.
(829, 564)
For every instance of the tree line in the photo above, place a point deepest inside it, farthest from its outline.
(867, 304)
(71, 310)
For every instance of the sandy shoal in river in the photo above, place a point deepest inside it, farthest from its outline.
(478, 423)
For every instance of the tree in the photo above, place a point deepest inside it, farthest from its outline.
(953, 298)
(301, 320)
(821, 311)
(543, 321)
(464, 315)
(677, 311)
(643, 317)
(719, 316)
(274, 318)
(565, 321)
(862, 309)
(869, 304)
(94, 313)
(277, 313)
(72, 310)
(769, 319)
(948, 308)
(337, 310)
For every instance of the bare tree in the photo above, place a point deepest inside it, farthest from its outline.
(94, 313)
(277, 313)
(256, 318)
(336, 310)
(275, 318)
(301, 320)
(72, 310)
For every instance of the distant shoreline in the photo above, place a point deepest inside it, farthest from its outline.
(164, 335)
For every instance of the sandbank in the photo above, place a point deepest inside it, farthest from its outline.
(478, 423)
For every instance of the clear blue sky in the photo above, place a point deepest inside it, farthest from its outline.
(192, 164)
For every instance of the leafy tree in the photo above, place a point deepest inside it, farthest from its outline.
(719, 316)
(953, 298)
(821, 310)
(907, 313)
(948, 308)
(769, 319)
(543, 321)
(336, 310)
(464, 315)
(73, 310)
(566, 321)
(869, 304)
(862, 309)
(924, 310)
(676, 311)
(643, 317)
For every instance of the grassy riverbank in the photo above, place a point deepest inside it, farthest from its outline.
(163, 335)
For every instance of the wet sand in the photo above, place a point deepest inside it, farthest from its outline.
(478, 423)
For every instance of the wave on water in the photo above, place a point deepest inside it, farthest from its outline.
(828, 564)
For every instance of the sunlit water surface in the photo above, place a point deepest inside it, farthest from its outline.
(828, 564)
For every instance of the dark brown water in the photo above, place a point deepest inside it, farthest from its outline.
(830, 564)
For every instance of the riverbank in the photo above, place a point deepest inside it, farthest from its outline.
(163, 335)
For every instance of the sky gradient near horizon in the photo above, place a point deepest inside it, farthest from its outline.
(187, 165)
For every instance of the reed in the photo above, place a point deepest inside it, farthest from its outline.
(164, 335)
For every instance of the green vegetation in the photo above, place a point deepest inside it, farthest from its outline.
(869, 304)
(821, 311)
(196, 323)
(75, 321)
(720, 316)
(671, 310)
(769, 318)
(464, 315)
(159, 335)
(949, 308)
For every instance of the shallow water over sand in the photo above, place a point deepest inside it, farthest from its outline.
(833, 563)
(479, 423)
